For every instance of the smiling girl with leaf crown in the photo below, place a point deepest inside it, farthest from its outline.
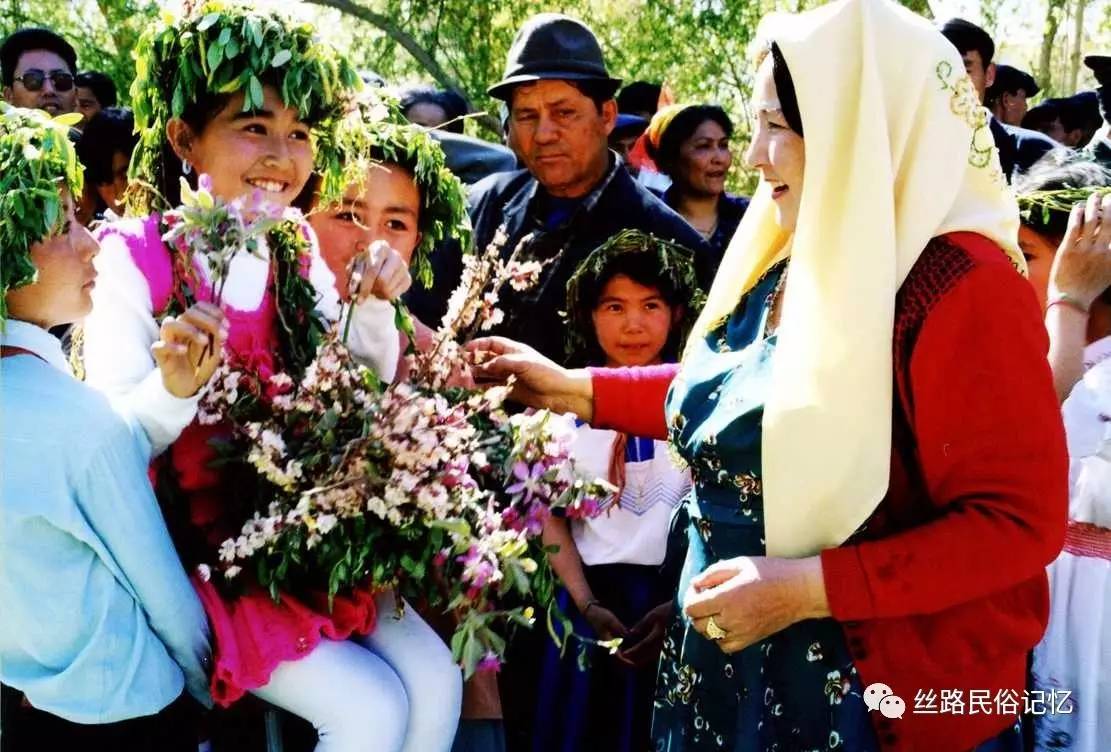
(252, 98)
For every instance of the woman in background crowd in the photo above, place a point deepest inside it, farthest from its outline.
(105, 151)
(690, 144)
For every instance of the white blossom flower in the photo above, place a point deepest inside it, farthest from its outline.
(326, 522)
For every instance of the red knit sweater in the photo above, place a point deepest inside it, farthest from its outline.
(945, 588)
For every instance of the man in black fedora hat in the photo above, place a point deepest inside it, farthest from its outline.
(1100, 146)
(574, 193)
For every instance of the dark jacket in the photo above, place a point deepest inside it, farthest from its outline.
(731, 210)
(517, 201)
(1018, 147)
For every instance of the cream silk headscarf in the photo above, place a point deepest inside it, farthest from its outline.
(897, 151)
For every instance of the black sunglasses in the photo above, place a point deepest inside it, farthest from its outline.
(34, 78)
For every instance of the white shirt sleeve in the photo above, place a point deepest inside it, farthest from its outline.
(118, 335)
(373, 338)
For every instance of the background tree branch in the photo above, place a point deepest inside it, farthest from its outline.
(410, 45)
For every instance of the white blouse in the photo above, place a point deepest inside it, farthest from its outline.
(1087, 417)
(634, 528)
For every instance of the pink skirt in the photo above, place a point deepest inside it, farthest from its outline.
(251, 634)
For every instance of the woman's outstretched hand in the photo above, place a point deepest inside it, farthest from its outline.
(753, 597)
(538, 381)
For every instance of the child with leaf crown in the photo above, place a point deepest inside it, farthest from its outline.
(396, 191)
(629, 303)
(250, 99)
(1062, 198)
(101, 631)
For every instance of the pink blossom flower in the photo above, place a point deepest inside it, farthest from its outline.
(537, 515)
(477, 570)
(586, 507)
(528, 479)
(489, 662)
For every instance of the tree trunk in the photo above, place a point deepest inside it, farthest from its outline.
(1077, 44)
(410, 45)
(1049, 36)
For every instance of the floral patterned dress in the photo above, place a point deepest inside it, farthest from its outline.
(798, 690)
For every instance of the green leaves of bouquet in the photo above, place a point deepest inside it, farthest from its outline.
(36, 162)
(222, 48)
(429, 486)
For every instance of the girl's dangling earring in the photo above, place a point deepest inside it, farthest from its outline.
(186, 168)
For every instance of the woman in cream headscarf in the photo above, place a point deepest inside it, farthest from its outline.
(867, 411)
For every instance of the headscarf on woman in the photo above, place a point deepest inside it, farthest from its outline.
(898, 151)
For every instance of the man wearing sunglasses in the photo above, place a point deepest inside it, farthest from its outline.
(37, 67)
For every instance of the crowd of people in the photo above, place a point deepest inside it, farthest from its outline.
(856, 422)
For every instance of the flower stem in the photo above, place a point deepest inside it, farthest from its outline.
(350, 314)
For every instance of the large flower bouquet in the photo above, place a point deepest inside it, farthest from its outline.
(428, 486)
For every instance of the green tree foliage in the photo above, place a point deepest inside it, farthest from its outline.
(699, 48)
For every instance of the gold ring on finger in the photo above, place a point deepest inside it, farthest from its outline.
(713, 631)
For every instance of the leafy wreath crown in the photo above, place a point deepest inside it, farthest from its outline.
(1037, 207)
(377, 132)
(222, 48)
(36, 161)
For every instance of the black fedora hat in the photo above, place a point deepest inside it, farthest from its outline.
(553, 46)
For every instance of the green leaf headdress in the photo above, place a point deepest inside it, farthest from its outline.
(1049, 190)
(672, 269)
(36, 162)
(1049, 209)
(221, 48)
(377, 132)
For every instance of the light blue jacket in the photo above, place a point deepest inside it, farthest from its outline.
(98, 621)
